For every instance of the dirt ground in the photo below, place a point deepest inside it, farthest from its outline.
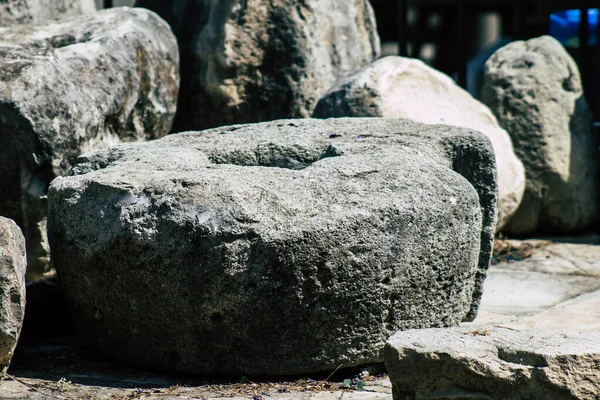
(62, 369)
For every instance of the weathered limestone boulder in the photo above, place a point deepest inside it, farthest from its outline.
(72, 86)
(14, 12)
(250, 61)
(285, 247)
(396, 87)
(534, 89)
(13, 264)
(493, 363)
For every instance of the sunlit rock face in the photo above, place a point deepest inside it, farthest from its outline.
(72, 86)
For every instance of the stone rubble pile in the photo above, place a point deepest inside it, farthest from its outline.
(284, 246)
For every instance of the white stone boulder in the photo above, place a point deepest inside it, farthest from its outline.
(534, 89)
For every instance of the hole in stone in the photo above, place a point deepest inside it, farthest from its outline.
(522, 357)
(216, 317)
(274, 156)
(62, 41)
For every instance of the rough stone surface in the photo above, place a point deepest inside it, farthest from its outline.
(534, 89)
(493, 363)
(72, 86)
(12, 288)
(251, 61)
(285, 247)
(396, 87)
(14, 12)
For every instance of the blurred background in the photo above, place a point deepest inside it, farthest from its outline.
(116, 3)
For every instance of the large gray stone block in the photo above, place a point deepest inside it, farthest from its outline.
(14, 12)
(396, 87)
(285, 247)
(13, 264)
(493, 363)
(251, 61)
(72, 86)
(534, 89)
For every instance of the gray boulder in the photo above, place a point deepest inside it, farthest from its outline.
(396, 87)
(14, 12)
(13, 264)
(493, 363)
(251, 61)
(534, 89)
(72, 86)
(286, 247)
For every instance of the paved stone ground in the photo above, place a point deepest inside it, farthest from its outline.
(556, 288)
(540, 284)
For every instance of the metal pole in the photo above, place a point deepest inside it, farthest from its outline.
(596, 86)
(403, 28)
(108, 3)
(461, 39)
(520, 16)
(584, 49)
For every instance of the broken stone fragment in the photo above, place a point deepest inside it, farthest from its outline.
(493, 363)
(12, 288)
(72, 86)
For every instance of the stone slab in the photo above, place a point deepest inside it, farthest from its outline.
(488, 362)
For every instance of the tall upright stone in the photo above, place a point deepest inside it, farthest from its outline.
(250, 61)
(534, 89)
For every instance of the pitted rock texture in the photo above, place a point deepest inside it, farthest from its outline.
(286, 247)
(13, 12)
(13, 264)
(249, 61)
(396, 87)
(534, 89)
(484, 362)
(70, 87)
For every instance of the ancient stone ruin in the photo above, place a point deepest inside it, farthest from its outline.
(296, 245)
(301, 206)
